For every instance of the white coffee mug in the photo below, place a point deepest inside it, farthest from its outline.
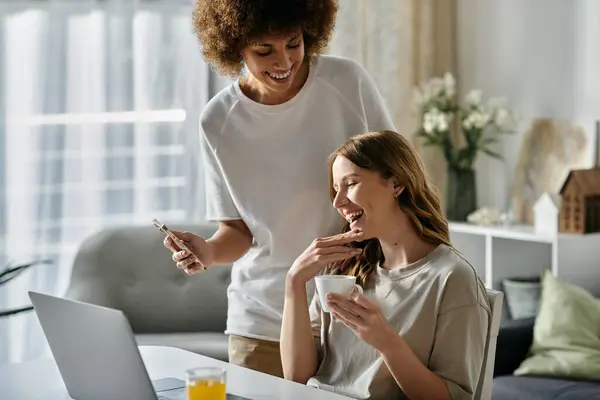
(342, 284)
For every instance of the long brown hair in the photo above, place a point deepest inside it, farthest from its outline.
(392, 155)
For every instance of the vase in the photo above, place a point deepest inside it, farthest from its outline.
(461, 196)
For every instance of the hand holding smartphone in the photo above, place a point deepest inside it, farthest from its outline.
(178, 242)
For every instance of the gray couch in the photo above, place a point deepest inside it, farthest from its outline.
(514, 341)
(129, 269)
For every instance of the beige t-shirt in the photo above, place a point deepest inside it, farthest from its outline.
(438, 305)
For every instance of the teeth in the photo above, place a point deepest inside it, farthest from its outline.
(280, 76)
(354, 216)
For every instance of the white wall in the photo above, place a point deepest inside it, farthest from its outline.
(543, 55)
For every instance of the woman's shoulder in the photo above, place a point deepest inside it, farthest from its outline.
(217, 110)
(333, 67)
(335, 61)
(452, 263)
(461, 284)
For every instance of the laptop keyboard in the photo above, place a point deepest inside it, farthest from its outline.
(172, 395)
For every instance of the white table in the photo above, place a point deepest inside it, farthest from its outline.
(40, 380)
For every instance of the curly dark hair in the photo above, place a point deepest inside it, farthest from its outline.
(225, 27)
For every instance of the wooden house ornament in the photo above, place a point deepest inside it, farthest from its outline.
(580, 208)
(546, 212)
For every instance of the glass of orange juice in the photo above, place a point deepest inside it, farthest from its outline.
(205, 383)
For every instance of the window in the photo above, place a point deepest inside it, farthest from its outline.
(592, 213)
(101, 103)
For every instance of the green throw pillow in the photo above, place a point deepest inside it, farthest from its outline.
(566, 334)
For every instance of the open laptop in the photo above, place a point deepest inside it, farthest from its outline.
(96, 353)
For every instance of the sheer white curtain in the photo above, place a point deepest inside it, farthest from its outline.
(99, 103)
(401, 43)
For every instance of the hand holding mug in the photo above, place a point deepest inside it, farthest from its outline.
(363, 317)
(343, 285)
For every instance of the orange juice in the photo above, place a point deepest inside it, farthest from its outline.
(206, 389)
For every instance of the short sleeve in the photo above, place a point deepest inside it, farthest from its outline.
(459, 349)
(219, 203)
(378, 117)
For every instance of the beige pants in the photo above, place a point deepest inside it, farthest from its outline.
(259, 355)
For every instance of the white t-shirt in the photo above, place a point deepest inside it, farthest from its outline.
(267, 165)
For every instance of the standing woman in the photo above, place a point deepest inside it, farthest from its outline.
(265, 141)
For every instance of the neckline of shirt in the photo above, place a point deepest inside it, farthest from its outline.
(399, 273)
(247, 101)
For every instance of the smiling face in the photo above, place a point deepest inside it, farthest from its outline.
(275, 61)
(363, 197)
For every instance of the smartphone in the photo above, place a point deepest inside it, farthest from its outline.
(178, 242)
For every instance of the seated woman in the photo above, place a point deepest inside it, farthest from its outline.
(419, 331)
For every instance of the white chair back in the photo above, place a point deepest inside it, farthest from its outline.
(484, 387)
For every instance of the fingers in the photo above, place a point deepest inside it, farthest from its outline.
(195, 268)
(183, 263)
(186, 261)
(362, 301)
(339, 249)
(329, 258)
(185, 237)
(168, 242)
(190, 266)
(345, 304)
(341, 239)
(350, 320)
(337, 266)
(180, 255)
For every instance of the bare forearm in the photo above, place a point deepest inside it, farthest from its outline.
(298, 351)
(414, 378)
(231, 241)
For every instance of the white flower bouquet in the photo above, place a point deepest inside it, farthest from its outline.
(479, 123)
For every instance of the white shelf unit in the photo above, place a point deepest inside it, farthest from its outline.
(499, 252)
